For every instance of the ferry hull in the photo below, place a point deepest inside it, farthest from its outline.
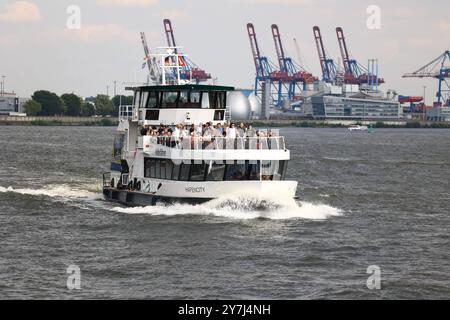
(196, 193)
(134, 198)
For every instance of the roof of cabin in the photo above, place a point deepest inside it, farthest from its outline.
(184, 87)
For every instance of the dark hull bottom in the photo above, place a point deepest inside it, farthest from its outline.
(133, 198)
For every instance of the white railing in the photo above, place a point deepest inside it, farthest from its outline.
(213, 143)
(125, 112)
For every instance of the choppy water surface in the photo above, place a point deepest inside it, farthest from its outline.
(380, 199)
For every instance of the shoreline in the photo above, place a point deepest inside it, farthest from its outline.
(58, 121)
(301, 123)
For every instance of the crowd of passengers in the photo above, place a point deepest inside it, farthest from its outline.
(206, 131)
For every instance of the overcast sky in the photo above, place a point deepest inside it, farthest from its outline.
(38, 51)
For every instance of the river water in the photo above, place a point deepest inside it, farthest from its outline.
(378, 199)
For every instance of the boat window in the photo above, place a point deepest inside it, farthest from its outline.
(163, 164)
(197, 172)
(212, 99)
(176, 171)
(195, 98)
(166, 169)
(184, 172)
(221, 100)
(144, 97)
(169, 167)
(137, 99)
(205, 100)
(236, 171)
(273, 170)
(153, 99)
(152, 115)
(254, 171)
(149, 168)
(169, 99)
(278, 170)
(214, 172)
(119, 141)
(157, 169)
(183, 100)
(217, 100)
(283, 177)
(219, 115)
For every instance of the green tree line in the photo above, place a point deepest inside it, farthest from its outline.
(46, 103)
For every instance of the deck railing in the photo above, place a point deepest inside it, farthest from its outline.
(214, 143)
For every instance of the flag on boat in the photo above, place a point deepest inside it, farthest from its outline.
(145, 62)
(181, 61)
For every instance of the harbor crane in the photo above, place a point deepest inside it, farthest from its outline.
(193, 71)
(354, 73)
(153, 72)
(291, 73)
(265, 70)
(439, 69)
(328, 66)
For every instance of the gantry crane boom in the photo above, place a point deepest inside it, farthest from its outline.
(438, 68)
(169, 34)
(279, 48)
(152, 68)
(261, 63)
(344, 51)
(327, 65)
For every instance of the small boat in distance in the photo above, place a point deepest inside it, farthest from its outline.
(358, 128)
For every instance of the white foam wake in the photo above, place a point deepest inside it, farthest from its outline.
(243, 207)
(57, 191)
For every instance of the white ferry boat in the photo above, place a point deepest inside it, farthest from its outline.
(180, 165)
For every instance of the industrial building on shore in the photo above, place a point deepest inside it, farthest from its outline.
(11, 104)
(348, 102)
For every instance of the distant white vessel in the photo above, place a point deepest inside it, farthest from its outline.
(358, 128)
(189, 166)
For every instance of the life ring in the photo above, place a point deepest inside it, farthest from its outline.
(138, 186)
(112, 183)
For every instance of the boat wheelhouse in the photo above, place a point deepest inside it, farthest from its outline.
(192, 154)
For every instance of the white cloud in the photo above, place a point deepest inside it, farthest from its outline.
(20, 11)
(444, 26)
(127, 3)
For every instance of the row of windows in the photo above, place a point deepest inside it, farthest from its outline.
(180, 99)
(219, 115)
(206, 171)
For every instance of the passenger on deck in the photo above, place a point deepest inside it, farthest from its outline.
(232, 132)
(208, 130)
(250, 133)
(199, 129)
(218, 130)
(177, 132)
(144, 130)
(241, 130)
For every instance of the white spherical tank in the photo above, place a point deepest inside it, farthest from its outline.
(239, 105)
(255, 105)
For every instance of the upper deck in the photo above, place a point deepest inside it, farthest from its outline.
(186, 103)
